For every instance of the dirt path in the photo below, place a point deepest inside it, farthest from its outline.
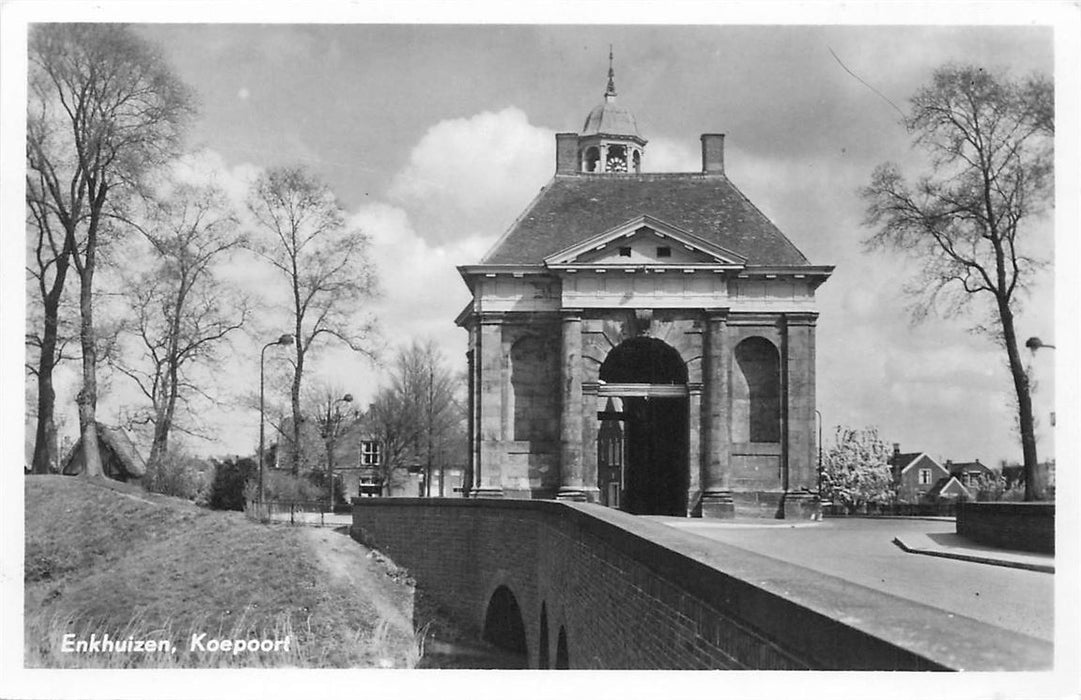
(353, 567)
(356, 570)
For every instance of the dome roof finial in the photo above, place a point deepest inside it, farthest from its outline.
(610, 119)
(611, 91)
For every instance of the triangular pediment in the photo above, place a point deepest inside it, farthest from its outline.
(644, 240)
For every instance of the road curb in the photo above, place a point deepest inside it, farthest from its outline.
(1013, 564)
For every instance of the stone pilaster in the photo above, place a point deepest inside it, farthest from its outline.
(802, 483)
(694, 446)
(800, 403)
(506, 400)
(468, 479)
(591, 405)
(571, 482)
(490, 414)
(716, 488)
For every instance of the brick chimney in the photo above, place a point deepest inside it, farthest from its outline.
(896, 448)
(713, 153)
(566, 153)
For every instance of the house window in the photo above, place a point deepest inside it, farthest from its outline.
(625, 252)
(370, 486)
(369, 453)
(925, 476)
(664, 252)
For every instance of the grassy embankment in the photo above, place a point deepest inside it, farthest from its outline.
(108, 558)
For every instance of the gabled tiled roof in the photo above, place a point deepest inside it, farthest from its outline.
(943, 487)
(958, 467)
(902, 460)
(573, 207)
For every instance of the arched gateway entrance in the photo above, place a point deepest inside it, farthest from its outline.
(642, 447)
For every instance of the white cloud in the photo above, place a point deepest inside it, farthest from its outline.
(422, 293)
(208, 167)
(664, 155)
(471, 176)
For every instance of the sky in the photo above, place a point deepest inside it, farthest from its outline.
(436, 136)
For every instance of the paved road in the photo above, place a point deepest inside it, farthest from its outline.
(862, 551)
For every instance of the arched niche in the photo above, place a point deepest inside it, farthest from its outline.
(536, 401)
(756, 392)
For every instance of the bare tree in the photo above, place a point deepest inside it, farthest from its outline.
(419, 418)
(396, 429)
(103, 108)
(990, 140)
(48, 330)
(304, 236)
(328, 405)
(182, 311)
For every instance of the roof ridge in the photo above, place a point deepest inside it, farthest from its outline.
(640, 176)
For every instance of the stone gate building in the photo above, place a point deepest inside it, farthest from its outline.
(643, 340)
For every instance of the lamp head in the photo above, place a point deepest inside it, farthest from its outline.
(285, 339)
(348, 398)
(1033, 343)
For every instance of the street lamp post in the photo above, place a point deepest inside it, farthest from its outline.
(333, 419)
(1035, 344)
(284, 339)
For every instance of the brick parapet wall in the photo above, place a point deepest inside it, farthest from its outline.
(635, 594)
(1028, 527)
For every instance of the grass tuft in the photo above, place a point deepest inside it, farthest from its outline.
(102, 561)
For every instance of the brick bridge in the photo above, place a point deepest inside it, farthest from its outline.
(571, 585)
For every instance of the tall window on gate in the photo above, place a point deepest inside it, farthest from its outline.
(756, 392)
(925, 476)
(369, 453)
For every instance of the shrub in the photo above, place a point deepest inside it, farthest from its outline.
(283, 487)
(1016, 494)
(227, 487)
(319, 479)
(989, 487)
(176, 473)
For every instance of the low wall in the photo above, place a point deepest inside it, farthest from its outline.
(1029, 527)
(621, 592)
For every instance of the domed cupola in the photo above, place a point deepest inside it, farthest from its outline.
(609, 142)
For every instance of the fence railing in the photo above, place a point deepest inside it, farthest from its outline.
(945, 509)
(302, 512)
